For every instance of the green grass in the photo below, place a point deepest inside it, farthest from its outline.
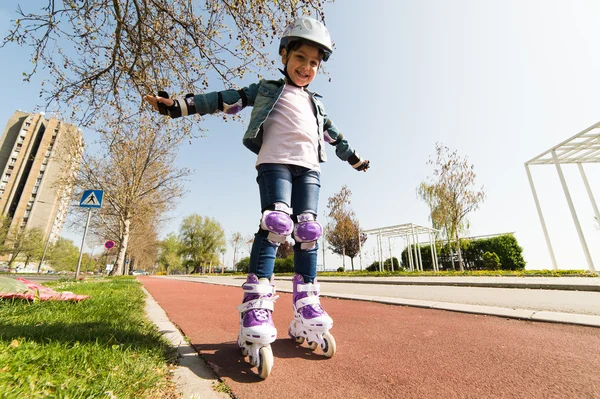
(102, 347)
(475, 273)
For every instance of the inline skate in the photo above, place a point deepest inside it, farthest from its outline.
(257, 330)
(311, 322)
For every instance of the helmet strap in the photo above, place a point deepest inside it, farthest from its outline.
(287, 77)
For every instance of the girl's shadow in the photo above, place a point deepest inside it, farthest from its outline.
(226, 360)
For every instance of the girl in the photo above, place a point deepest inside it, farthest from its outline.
(288, 130)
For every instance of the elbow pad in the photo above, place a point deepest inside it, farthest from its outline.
(328, 138)
(232, 109)
(180, 107)
(331, 141)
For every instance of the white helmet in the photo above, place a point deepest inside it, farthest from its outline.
(306, 28)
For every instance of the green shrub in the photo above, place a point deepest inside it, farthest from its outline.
(243, 266)
(491, 260)
(281, 265)
(285, 265)
(374, 267)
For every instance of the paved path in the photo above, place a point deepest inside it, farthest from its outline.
(387, 351)
(534, 303)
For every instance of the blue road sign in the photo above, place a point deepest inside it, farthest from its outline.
(91, 199)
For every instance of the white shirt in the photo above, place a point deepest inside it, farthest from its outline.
(290, 132)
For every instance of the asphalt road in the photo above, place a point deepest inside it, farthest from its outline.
(387, 351)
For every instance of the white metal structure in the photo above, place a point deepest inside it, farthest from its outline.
(579, 149)
(410, 232)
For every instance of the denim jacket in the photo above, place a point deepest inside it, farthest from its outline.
(262, 97)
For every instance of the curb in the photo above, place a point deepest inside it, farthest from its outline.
(193, 378)
(483, 284)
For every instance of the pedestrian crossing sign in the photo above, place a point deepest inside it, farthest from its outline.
(91, 199)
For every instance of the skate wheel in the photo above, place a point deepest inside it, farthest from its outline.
(300, 340)
(328, 346)
(266, 362)
(312, 345)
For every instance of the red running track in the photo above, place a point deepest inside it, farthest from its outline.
(386, 351)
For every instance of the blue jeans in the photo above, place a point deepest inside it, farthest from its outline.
(297, 187)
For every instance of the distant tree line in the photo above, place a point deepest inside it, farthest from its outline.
(284, 260)
(24, 247)
(197, 248)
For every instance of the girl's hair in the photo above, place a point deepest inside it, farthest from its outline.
(296, 44)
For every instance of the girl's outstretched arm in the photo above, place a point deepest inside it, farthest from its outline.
(342, 148)
(228, 101)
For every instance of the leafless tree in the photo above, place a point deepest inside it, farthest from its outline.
(450, 194)
(236, 241)
(104, 54)
(135, 168)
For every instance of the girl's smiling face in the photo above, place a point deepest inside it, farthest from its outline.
(302, 63)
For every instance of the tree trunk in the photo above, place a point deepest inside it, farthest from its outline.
(352, 263)
(27, 261)
(460, 261)
(344, 258)
(13, 257)
(451, 254)
(120, 263)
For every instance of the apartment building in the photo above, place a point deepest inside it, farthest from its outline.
(37, 158)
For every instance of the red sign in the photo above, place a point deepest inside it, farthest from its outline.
(109, 244)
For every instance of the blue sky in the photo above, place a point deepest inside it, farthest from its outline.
(499, 81)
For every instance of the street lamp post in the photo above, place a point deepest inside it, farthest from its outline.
(48, 240)
(45, 249)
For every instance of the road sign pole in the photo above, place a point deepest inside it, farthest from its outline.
(82, 243)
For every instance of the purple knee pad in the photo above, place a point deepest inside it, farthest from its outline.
(278, 224)
(308, 230)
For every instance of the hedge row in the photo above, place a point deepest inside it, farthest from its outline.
(495, 253)
(281, 265)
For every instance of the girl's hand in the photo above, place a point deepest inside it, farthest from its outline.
(363, 166)
(154, 100)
